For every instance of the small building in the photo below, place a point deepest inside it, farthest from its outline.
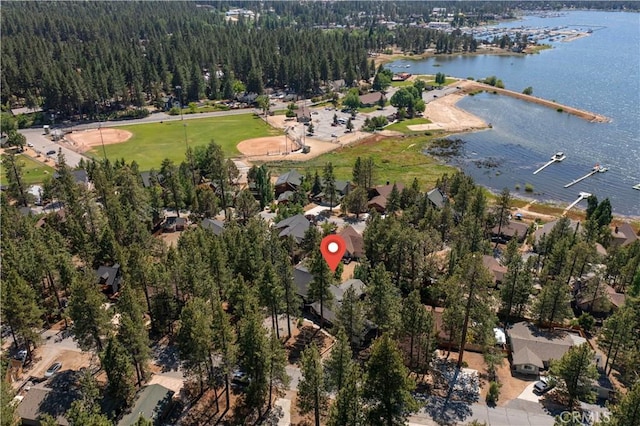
(153, 403)
(370, 99)
(533, 348)
(53, 397)
(174, 223)
(436, 198)
(294, 226)
(81, 177)
(547, 227)
(302, 278)
(289, 181)
(213, 225)
(109, 278)
(303, 115)
(606, 301)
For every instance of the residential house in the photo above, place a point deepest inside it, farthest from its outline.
(289, 181)
(547, 227)
(109, 278)
(436, 198)
(623, 235)
(495, 267)
(53, 397)
(604, 302)
(509, 231)
(342, 188)
(533, 348)
(81, 177)
(294, 226)
(354, 242)
(330, 312)
(153, 403)
(337, 85)
(370, 99)
(379, 194)
(285, 197)
(174, 223)
(302, 278)
(213, 225)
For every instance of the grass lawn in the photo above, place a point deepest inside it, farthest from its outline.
(372, 108)
(32, 172)
(152, 143)
(401, 126)
(396, 160)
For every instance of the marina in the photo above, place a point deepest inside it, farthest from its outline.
(596, 169)
(557, 157)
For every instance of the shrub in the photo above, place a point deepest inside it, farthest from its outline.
(560, 110)
(517, 187)
(494, 393)
(528, 187)
(290, 113)
(174, 111)
(528, 91)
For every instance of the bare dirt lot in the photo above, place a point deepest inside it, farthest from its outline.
(86, 139)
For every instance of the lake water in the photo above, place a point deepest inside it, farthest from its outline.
(598, 73)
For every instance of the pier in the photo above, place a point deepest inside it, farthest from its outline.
(596, 169)
(556, 158)
(582, 196)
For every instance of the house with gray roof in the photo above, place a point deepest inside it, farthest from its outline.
(294, 226)
(289, 181)
(547, 227)
(329, 313)
(153, 403)
(436, 198)
(213, 225)
(622, 235)
(109, 278)
(533, 348)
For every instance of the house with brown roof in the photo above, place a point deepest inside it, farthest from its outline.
(496, 268)
(289, 181)
(533, 348)
(622, 235)
(378, 196)
(509, 231)
(354, 242)
(604, 302)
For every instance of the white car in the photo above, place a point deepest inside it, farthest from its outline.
(55, 367)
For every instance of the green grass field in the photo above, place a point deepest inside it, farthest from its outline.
(396, 160)
(32, 172)
(152, 143)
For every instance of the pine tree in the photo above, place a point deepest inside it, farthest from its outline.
(253, 357)
(575, 373)
(7, 406)
(121, 379)
(339, 364)
(552, 305)
(20, 309)
(311, 393)
(224, 341)
(90, 319)
(387, 387)
(350, 316)
(393, 202)
(319, 289)
(195, 339)
(517, 285)
(13, 172)
(383, 300)
(627, 411)
(348, 408)
(277, 375)
(329, 187)
(132, 332)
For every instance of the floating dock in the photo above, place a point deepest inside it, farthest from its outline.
(559, 156)
(636, 187)
(596, 169)
(582, 196)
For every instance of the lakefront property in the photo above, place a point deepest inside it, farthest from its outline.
(166, 206)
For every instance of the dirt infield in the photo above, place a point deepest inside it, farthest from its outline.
(86, 139)
(269, 145)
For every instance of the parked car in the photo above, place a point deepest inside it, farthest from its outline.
(21, 355)
(51, 152)
(239, 377)
(55, 367)
(543, 386)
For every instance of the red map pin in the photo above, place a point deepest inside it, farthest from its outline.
(332, 248)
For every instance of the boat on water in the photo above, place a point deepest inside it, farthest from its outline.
(600, 169)
(558, 156)
(637, 186)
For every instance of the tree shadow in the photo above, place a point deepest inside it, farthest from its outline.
(447, 412)
(166, 357)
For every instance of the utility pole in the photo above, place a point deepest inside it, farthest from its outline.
(179, 89)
